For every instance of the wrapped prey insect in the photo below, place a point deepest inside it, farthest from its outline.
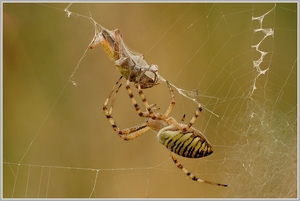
(130, 64)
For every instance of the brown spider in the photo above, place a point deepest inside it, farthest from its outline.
(179, 138)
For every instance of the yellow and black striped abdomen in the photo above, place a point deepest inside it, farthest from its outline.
(185, 144)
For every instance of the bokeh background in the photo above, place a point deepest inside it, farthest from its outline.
(57, 142)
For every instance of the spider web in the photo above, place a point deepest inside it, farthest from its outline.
(242, 58)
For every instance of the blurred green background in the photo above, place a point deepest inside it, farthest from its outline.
(65, 147)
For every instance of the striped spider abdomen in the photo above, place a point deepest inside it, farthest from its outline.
(191, 144)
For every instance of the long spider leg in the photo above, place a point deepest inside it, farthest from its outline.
(135, 104)
(197, 113)
(113, 100)
(108, 113)
(148, 107)
(182, 120)
(189, 174)
(172, 104)
(110, 93)
(128, 133)
(133, 132)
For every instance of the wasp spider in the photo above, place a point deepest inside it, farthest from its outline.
(179, 138)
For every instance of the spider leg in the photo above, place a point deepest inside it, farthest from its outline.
(128, 133)
(148, 107)
(189, 174)
(133, 132)
(137, 108)
(113, 100)
(182, 120)
(108, 113)
(109, 96)
(172, 104)
(197, 113)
